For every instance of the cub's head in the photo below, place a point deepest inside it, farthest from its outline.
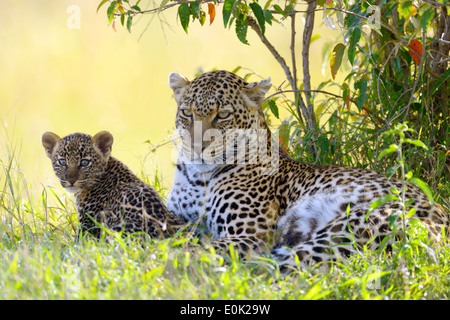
(214, 103)
(78, 159)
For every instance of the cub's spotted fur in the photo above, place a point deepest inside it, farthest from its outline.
(105, 189)
(290, 209)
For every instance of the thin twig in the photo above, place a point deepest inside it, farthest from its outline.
(318, 91)
(438, 4)
(254, 25)
(294, 64)
(364, 18)
(298, 101)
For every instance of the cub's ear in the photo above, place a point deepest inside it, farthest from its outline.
(103, 142)
(178, 83)
(49, 141)
(257, 90)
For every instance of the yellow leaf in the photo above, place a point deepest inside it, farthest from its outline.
(336, 58)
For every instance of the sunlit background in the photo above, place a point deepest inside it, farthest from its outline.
(87, 78)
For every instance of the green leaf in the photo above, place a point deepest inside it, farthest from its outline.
(195, 8)
(259, 14)
(397, 64)
(101, 4)
(380, 201)
(202, 17)
(441, 80)
(426, 17)
(392, 148)
(279, 10)
(163, 4)
(129, 23)
(135, 7)
(268, 16)
(122, 19)
(323, 142)
(424, 187)
(392, 170)
(336, 59)
(405, 9)
(409, 175)
(362, 97)
(274, 108)
(267, 5)
(314, 37)
(110, 11)
(417, 143)
(184, 12)
(241, 28)
(394, 190)
(355, 36)
(228, 6)
(393, 218)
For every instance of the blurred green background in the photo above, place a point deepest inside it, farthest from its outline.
(58, 78)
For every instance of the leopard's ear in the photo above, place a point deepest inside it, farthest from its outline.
(178, 83)
(256, 91)
(103, 143)
(49, 141)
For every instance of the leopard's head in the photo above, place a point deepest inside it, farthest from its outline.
(78, 159)
(214, 104)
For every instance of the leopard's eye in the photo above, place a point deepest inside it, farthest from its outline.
(62, 162)
(186, 112)
(223, 115)
(85, 162)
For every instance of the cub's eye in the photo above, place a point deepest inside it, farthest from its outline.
(223, 115)
(62, 162)
(187, 113)
(85, 162)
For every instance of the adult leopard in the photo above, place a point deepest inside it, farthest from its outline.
(272, 203)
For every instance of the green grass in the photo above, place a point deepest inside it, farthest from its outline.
(39, 259)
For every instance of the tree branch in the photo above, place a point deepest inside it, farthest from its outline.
(318, 91)
(309, 25)
(298, 101)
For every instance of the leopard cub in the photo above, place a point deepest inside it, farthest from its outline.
(106, 191)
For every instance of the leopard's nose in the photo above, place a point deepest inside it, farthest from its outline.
(72, 176)
(71, 181)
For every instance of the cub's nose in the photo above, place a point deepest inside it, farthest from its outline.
(72, 176)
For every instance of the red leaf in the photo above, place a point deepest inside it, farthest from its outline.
(114, 25)
(211, 12)
(416, 47)
(347, 101)
(283, 143)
